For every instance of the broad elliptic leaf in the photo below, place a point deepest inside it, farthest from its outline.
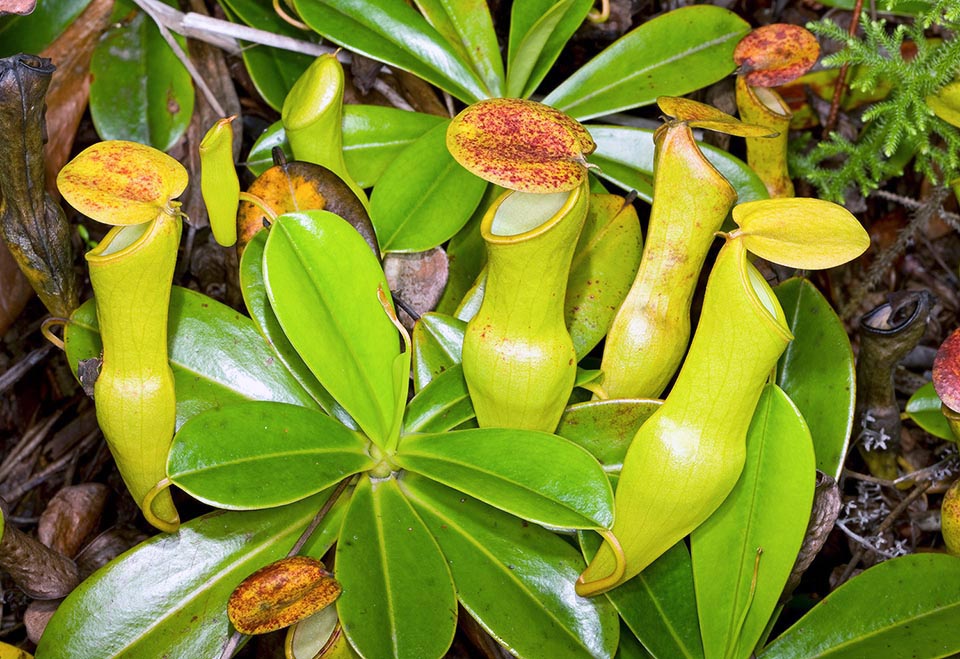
(444, 404)
(520, 145)
(671, 55)
(37, 30)
(534, 475)
(399, 600)
(281, 594)
(216, 354)
(437, 345)
(625, 157)
(396, 34)
(466, 255)
(773, 55)
(515, 578)
(168, 596)
(904, 608)
(121, 183)
(539, 29)
(924, 407)
(659, 605)
(799, 232)
(946, 103)
(254, 292)
(946, 371)
(140, 90)
(272, 70)
(606, 427)
(322, 281)
(468, 27)
(817, 371)
(744, 552)
(259, 454)
(424, 197)
(603, 268)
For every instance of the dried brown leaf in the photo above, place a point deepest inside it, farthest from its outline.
(418, 279)
(71, 516)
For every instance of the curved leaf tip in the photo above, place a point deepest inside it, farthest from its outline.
(520, 145)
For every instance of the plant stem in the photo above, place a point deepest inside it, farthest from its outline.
(842, 78)
(321, 514)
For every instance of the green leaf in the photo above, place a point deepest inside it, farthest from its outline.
(674, 54)
(168, 596)
(373, 136)
(767, 511)
(437, 344)
(817, 371)
(258, 306)
(325, 313)
(539, 29)
(603, 268)
(442, 405)
(466, 255)
(534, 475)
(606, 427)
(924, 407)
(255, 455)
(37, 30)
(272, 70)
(515, 578)
(398, 596)
(216, 354)
(424, 197)
(659, 605)
(630, 647)
(904, 608)
(140, 90)
(468, 27)
(394, 33)
(625, 157)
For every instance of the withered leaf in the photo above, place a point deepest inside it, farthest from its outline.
(71, 516)
(281, 594)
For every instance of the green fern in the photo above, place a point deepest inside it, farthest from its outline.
(900, 126)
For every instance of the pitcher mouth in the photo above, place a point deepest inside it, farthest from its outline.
(125, 239)
(518, 216)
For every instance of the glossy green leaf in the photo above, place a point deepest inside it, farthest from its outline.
(606, 427)
(216, 355)
(603, 268)
(259, 454)
(924, 408)
(630, 647)
(272, 70)
(140, 90)
(466, 256)
(539, 29)
(258, 306)
(817, 371)
(515, 578)
(659, 605)
(671, 55)
(444, 404)
(373, 136)
(625, 157)
(37, 30)
(468, 27)
(324, 313)
(903, 608)
(767, 511)
(424, 197)
(394, 33)
(437, 345)
(534, 475)
(398, 596)
(168, 596)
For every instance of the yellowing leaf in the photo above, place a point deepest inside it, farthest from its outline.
(701, 115)
(121, 183)
(800, 232)
(280, 594)
(520, 145)
(776, 54)
(946, 103)
(11, 652)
